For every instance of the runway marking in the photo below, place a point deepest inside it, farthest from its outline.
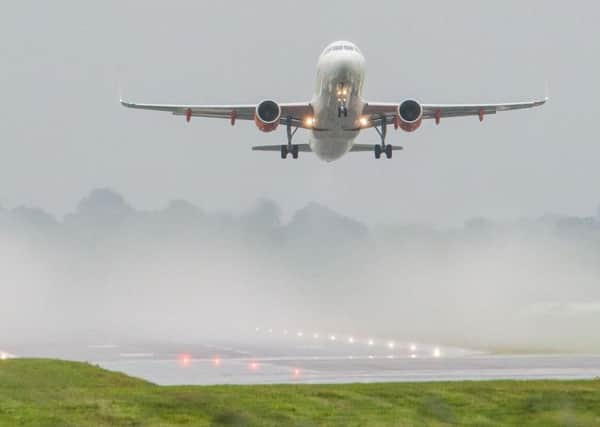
(102, 346)
(135, 355)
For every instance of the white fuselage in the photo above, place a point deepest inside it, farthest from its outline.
(339, 85)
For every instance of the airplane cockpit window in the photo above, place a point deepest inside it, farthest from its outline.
(341, 47)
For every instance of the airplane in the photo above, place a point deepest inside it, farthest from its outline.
(338, 112)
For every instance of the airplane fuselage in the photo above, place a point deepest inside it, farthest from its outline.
(338, 100)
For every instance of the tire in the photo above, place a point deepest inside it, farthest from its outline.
(295, 151)
(388, 151)
(377, 151)
(284, 151)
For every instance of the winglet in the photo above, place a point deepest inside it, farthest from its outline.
(120, 93)
(126, 103)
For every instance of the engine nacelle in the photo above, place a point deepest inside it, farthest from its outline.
(267, 115)
(409, 115)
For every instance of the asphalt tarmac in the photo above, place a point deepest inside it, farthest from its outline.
(296, 359)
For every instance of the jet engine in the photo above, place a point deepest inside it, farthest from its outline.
(409, 116)
(267, 115)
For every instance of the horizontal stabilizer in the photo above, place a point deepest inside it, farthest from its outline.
(303, 148)
(371, 147)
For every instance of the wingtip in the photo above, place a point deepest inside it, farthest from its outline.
(547, 97)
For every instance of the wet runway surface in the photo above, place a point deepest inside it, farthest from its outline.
(345, 370)
(326, 360)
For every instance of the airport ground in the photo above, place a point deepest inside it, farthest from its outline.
(36, 392)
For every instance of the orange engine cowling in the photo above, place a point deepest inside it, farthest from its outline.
(267, 115)
(409, 115)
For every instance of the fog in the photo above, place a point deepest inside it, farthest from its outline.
(186, 273)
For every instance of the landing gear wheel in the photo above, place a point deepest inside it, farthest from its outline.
(284, 151)
(295, 151)
(378, 151)
(388, 151)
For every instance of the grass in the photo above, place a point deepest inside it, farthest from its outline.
(38, 392)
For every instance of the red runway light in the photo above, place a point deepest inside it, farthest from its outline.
(185, 359)
(253, 366)
(217, 361)
(296, 372)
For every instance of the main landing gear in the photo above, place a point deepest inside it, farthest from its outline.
(285, 150)
(289, 148)
(383, 147)
(387, 150)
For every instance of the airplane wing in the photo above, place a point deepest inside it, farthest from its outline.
(296, 111)
(377, 111)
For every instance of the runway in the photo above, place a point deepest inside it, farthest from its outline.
(345, 370)
(302, 360)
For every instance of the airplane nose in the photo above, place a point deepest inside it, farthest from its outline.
(350, 62)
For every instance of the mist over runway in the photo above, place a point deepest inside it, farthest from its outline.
(108, 272)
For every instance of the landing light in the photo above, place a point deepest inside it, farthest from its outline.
(364, 121)
(391, 345)
(370, 343)
(309, 122)
(437, 352)
(351, 340)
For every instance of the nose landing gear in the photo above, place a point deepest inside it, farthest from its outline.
(342, 98)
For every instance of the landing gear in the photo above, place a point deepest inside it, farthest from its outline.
(289, 147)
(383, 147)
(285, 150)
(342, 110)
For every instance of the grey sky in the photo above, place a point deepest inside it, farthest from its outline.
(63, 132)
